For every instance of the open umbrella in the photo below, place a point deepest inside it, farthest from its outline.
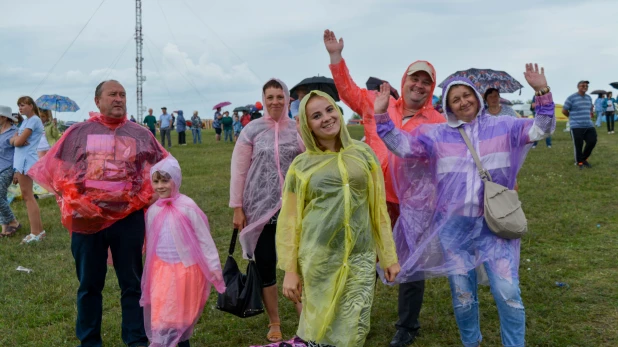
(56, 103)
(242, 109)
(614, 85)
(325, 84)
(221, 104)
(504, 101)
(373, 83)
(598, 91)
(484, 79)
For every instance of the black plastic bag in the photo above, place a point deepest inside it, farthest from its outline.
(243, 293)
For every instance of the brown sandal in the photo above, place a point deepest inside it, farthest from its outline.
(274, 336)
(10, 231)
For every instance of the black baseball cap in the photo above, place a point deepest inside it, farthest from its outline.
(583, 81)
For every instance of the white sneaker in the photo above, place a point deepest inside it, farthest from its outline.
(548, 146)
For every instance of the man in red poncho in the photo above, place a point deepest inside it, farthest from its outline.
(99, 171)
(412, 109)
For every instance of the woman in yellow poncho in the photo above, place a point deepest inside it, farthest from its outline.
(333, 223)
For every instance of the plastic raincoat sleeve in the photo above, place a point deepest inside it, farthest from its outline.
(360, 100)
(241, 162)
(289, 224)
(401, 143)
(209, 249)
(382, 232)
(544, 122)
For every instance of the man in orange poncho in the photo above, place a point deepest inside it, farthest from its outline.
(412, 109)
(100, 173)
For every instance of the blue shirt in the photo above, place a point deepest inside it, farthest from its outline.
(237, 126)
(598, 105)
(166, 120)
(579, 107)
(217, 122)
(26, 156)
(6, 150)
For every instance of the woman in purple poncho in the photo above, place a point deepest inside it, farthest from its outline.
(458, 242)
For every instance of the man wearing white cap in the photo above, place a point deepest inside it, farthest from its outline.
(412, 109)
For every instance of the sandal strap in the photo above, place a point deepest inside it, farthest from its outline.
(274, 324)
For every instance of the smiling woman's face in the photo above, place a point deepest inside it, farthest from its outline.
(322, 118)
(463, 102)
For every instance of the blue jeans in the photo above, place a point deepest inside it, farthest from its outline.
(6, 214)
(600, 115)
(125, 238)
(228, 133)
(508, 300)
(197, 135)
(547, 142)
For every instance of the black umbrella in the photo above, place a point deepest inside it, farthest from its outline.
(373, 83)
(325, 84)
(242, 109)
(598, 91)
(614, 85)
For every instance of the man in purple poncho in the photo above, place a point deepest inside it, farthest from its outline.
(459, 241)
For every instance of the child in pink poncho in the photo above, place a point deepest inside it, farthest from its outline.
(181, 261)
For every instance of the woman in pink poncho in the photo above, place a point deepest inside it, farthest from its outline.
(264, 151)
(181, 261)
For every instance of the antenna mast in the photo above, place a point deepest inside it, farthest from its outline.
(139, 43)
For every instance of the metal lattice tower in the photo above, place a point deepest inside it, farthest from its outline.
(139, 43)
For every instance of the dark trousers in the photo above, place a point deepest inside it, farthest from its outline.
(182, 138)
(409, 305)
(581, 135)
(125, 238)
(411, 294)
(609, 118)
(153, 131)
(166, 132)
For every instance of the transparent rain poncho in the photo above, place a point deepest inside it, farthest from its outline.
(457, 239)
(332, 224)
(361, 101)
(182, 263)
(99, 171)
(261, 157)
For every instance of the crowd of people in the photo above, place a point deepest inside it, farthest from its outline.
(329, 211)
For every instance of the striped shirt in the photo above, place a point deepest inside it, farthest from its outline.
(579, 107)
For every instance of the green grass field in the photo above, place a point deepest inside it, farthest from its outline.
(573, 238)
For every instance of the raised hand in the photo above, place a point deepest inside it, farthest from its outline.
(534, 77)
(380, 105)
(333, 46)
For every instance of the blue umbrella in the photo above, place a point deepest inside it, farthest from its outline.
(56, 103)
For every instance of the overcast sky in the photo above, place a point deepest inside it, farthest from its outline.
(198, 53)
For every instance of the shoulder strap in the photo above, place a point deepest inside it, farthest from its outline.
(233, 242)
(485, 176)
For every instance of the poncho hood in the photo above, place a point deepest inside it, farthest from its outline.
(286, 92)
(428, 102)
(171, 167)
(451, 119)
(305, 131)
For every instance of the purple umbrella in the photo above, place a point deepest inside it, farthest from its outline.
(221, 104)
(504, 101)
